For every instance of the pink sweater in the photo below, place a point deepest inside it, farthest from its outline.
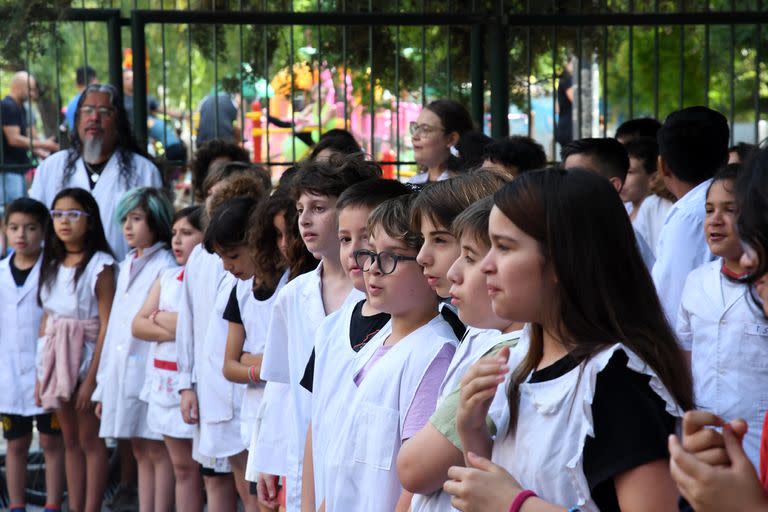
(62, 354)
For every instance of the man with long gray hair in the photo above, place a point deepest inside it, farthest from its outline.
(104, 158)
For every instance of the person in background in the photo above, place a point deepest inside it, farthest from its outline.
(103, 159)
(436, 130)
(740, 153)
(648, 215)
(693, 145)
(19, 138)
(512, 156)
(84, 76)
(218, 118)
(640, 127)
(468, 152)
(164, 133)
(564, 128)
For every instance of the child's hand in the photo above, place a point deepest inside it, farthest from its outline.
(478, 387)
(267, 488)
(189, 407)
(706, 443)
(83, 396)
(97, 410)
(716, 488)
(481, 487)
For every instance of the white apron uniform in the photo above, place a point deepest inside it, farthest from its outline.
(363, 457)
(203, 277)
(297, 313)
(475, 344)
(20, 318)
(63, 299)
(546, 453)
(333, 387)
(727, 336)
(108, 191)
(161, 383)
(124, 358)
(268, 451)
(255, 315)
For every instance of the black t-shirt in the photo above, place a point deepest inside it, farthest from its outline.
(361, 329)
(232, 310)
(14, 114)
(630, 421)
(19, 276)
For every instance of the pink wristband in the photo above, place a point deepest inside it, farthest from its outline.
(517, 504)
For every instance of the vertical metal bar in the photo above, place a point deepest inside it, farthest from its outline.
(397, 95)
(165, 85)
(293, 92)
(139, 79)
(266, 85)
(448, 56)
(57, 58)
(114, 52)
(372, 85)
(423, 61)
(732, 84)
(347, 122)
(528, 67)
(499, 80)
(216, 79)
(242, 95)
(189, 92)
(656, 65)
(631, 78)
(681, 57)
(554, 89)
(756, 99)
(319, 75)
(605, 81)
(476, 73)
(580, 56)
(707, 71)
(85, 41)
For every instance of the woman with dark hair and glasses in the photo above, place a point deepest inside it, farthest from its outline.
(435, 132)
(104, 158)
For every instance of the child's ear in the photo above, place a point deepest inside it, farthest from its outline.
(662, 167)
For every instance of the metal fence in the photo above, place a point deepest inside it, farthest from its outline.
(370, 65)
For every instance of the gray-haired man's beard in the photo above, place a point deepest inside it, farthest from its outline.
(92, 150)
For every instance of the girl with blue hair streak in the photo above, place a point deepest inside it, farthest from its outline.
(146, 216)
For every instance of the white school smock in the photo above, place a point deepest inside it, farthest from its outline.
(363, 457)
(650, 218)
(204, 275)
(123, 363)
(20, 317)
(333, 386)
(682, 247)
(476, 343)
(63, 299)
(422, 178)
(298, 311)
(546, 452)
(161, 385)
(268, 451)
(108, 191)
(727, 335)
(255, 315)
(218, 435)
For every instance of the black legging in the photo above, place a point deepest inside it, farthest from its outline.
(304, 137)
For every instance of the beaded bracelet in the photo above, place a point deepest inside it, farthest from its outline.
(517, 504)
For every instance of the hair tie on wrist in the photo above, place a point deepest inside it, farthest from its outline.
(517, 504)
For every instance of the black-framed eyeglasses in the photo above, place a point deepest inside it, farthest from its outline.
(385, 260)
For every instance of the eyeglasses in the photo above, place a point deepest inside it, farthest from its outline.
(102, 111)
(386, 261)
(71, 215)
(423, 129)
